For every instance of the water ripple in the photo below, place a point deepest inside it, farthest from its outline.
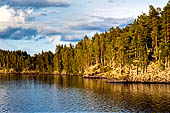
(75, 94)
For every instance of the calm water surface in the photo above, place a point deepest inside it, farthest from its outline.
(71, 93)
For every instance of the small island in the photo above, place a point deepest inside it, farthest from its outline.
(139, 52)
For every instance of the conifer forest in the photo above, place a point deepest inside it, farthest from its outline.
(145, 41)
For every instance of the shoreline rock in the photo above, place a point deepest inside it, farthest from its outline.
(136, 82)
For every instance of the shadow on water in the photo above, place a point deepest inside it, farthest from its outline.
(42, 93)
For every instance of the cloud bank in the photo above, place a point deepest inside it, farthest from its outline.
(35, 3)
(42, 24)
(102, 23)
(20, 25)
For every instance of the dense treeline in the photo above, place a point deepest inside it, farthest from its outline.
(144, 41)
(20, 61)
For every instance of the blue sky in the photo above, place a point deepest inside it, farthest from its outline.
(36, 25)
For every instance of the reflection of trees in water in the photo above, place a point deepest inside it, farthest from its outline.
(142, 96)
(95, 84)
(126, 96)
(151, 97)
(133, 97)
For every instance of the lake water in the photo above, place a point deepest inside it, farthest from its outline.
(75, 94)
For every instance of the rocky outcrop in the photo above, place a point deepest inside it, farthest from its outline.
(153, 75)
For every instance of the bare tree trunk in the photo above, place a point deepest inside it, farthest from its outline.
(130, 70)
(137, 70)
(120, 69)
(97, 60)
(110, 63)
(104, 61)
(146, 69)
(166, 62)
(156, 44)
(143, 71)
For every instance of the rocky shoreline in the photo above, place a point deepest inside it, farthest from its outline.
(146, 79)
(136, 82)
(153, 76)
(36, 73)
(127, 81)
(95, 77)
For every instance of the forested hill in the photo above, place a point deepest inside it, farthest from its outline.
(145, 41)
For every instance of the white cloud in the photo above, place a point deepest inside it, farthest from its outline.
(100, 23)
(15, 24)
(10, 17)
(74, 36)
(18, 23)
(56, 39)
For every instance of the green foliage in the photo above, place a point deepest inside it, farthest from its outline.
(146, 40)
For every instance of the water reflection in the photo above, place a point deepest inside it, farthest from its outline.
(42, 93)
